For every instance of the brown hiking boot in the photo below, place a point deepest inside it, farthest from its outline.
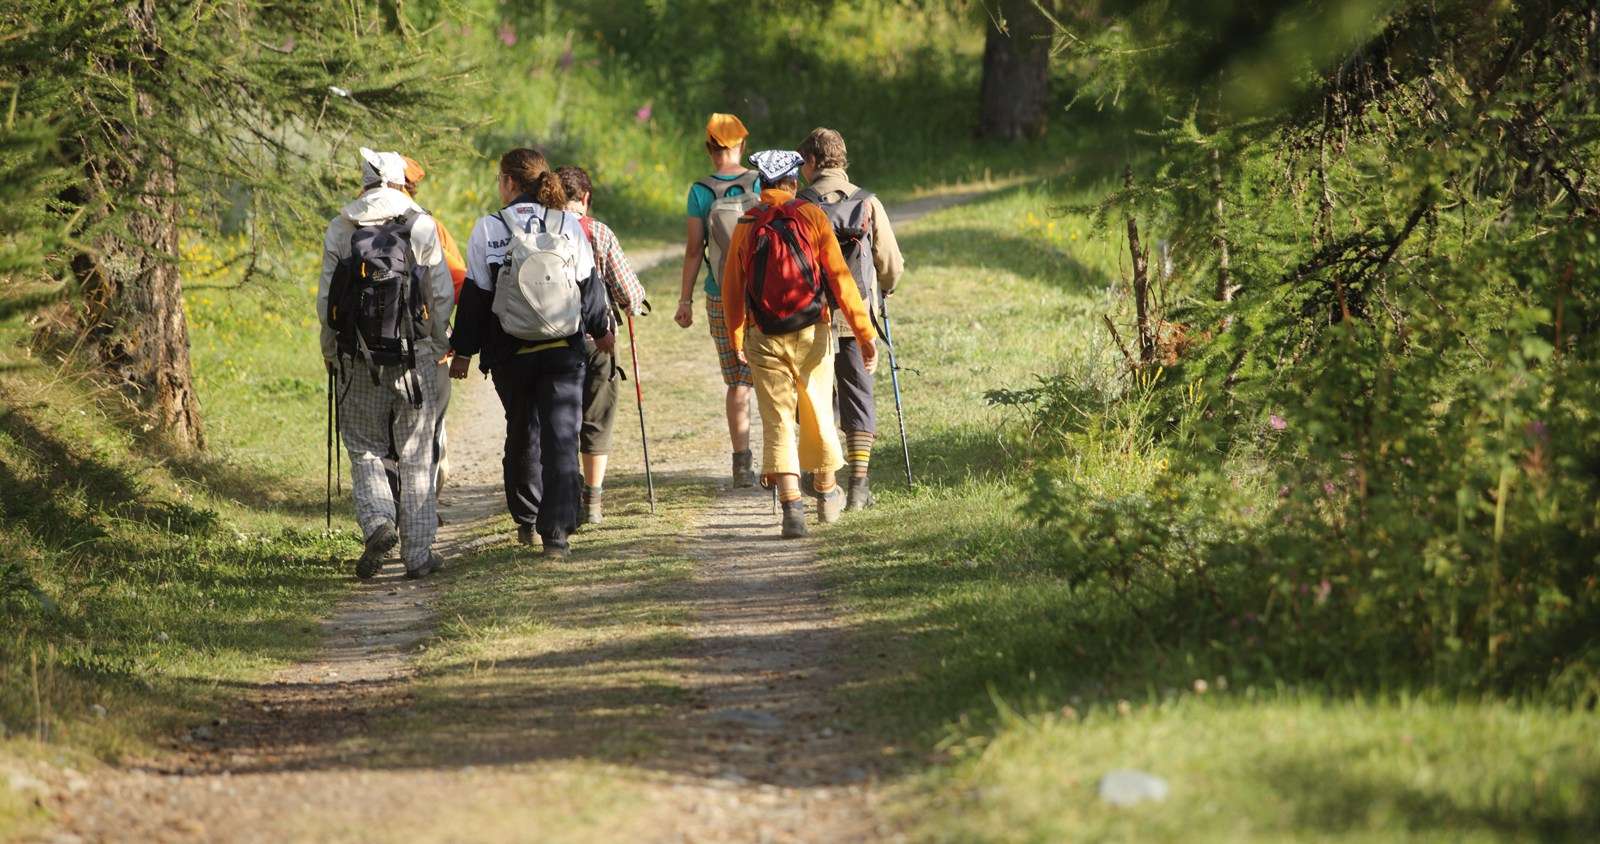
(830, 505)
(860, 496)
(524, 534)
(744, 473)
(383, 539)
(794, 519)
(590, 512)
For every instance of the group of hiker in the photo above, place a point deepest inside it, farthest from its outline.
(790, 278)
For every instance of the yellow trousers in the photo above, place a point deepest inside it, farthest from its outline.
(793, 375)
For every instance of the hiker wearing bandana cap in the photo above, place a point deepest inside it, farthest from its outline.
(783, 274)
(715, 205)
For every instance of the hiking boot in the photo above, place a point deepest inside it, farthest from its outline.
(591, 513)
(525, 535)
(428, 567)
(556, 547)
(744, 473)
(860, 496)
(377, 546)
(794, 518)
(829, 506)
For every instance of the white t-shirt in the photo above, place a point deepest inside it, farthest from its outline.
(490, 240)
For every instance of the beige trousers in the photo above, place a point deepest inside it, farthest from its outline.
(793, 375)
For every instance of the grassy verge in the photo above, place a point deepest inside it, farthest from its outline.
(1030, 682)
(138, 581)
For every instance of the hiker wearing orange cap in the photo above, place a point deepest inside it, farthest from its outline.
(715, 205)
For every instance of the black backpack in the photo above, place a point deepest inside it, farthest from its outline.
(377, 304)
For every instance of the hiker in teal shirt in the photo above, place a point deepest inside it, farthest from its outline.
(714, 206)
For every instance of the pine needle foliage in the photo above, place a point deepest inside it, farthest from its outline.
(1376, 356)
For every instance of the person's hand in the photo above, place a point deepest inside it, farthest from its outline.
(743, 361)
(607, 344)
(449, 353)
(460, 365)
(685, 315)
(869, 356)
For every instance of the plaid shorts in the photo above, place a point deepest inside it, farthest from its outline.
(734, 373)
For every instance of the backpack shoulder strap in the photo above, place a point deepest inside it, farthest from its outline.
(750, 180)
(809, 194)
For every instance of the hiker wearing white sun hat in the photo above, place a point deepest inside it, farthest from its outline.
(384, 301)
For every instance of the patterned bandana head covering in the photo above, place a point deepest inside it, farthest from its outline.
(726, 130)
(776, 164)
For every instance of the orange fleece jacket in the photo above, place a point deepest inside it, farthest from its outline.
(834, 270)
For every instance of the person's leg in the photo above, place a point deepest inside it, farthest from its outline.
(736, 402)
(441, 453)
(600, 393)
(512, 383)
(776, 394)
(857, 415)
(414, 430)
(560, 402)
(364, 427)
(820, 453)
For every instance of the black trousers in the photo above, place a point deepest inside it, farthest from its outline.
(852, 390)
(542, 393)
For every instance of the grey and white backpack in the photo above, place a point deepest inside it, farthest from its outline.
(727, 208)
(536, 293)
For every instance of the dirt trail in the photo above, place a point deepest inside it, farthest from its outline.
(759, 750)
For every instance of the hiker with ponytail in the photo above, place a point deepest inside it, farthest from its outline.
(531, 297)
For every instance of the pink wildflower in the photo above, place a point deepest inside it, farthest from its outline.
(508, 35)
(1277, 422)
(1324, 589)
(644, 112)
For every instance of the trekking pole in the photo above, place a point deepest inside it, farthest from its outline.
(338, 445)
(894, 378)
(638, 392)
(330, 451)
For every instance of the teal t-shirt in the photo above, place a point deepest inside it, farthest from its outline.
(700, 199)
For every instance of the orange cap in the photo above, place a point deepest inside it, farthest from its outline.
(725, 130)
(414, 171)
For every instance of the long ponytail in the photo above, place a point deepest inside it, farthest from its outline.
(530, 172)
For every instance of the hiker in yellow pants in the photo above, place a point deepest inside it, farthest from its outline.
(783, 268)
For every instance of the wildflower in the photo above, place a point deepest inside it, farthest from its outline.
(644, 112)
(508, 35)
(1201, 686)
(1278, 423)
(1324, 589)
(565, 61)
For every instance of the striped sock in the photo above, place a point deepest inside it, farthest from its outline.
(822, 484)
(788, 496)
(859, 444)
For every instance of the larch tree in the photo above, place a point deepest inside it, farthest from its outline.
(159, 113)
(1014, 95)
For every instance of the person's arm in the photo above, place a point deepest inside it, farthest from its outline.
(694, 244)
(624, 284)
(886, 255)
(732, 280)
(330, 262)
(440, 286)
(477, 298)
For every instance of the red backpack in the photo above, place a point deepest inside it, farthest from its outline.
(784, 284)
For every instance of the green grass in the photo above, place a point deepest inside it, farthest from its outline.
(1012, 673)
(163, 578)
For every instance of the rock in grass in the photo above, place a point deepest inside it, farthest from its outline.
(1129, 788)
(748, 718)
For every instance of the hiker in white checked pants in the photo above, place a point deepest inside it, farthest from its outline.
(374, 416)
(388, 406)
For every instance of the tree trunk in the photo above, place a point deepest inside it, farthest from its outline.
(1015, 92)
(133, 316)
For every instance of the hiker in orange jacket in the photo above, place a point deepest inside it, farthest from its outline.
(771, 287)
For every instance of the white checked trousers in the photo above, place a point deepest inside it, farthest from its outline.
(372, 417)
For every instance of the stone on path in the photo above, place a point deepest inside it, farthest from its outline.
(748, 718)
(1128, 788)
